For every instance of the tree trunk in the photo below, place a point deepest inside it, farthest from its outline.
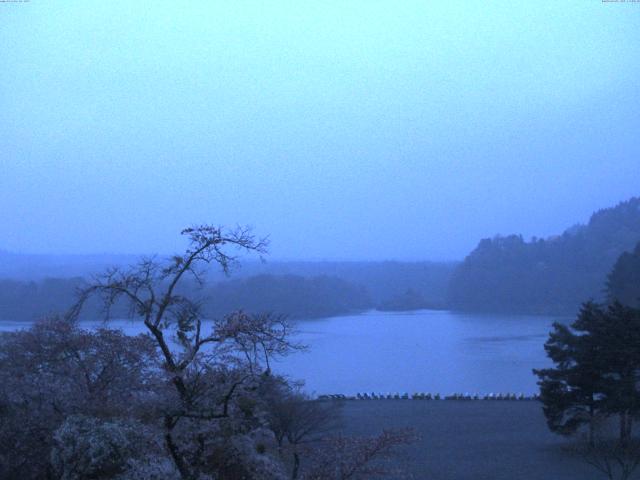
(592, 426)
(625, 425)
(296, 466)
(176, 456)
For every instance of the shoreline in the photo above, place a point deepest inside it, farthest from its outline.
(436, 397)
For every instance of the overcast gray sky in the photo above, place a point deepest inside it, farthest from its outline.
(344, 130)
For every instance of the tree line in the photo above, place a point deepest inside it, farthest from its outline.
(548, 276)
(291, 295)
(31, 285)
(544, 276)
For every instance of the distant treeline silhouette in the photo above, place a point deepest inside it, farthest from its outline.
(387, 283)
(290, 295)
(502, 274)
(294, 289)
(553, 275)
(384, 280)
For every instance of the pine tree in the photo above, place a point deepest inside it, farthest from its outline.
(597, 370)
(572, 391)
(623, 283)
(620, 352)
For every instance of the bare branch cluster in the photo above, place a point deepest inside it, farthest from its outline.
(344, 458)
(204, 383)
(614, 459)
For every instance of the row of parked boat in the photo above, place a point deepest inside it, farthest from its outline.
(430, 396)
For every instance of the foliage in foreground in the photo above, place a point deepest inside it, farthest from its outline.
(177, 402)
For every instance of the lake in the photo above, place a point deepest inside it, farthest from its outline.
(422, 351)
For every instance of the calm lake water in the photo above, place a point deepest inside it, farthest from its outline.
(423, 351)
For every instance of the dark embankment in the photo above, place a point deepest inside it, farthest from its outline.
(479, 440)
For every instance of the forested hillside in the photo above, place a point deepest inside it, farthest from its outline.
(552, 275)
(623, 283)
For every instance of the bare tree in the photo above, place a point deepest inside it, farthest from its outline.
(349, 458)
(616, 460)
(298, 421)
(182, 397)
(207, 368)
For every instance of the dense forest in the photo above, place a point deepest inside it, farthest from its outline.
(552, 275)
(623, 283)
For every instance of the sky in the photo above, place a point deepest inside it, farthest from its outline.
(346, 130)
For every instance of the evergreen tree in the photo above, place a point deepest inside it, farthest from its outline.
(571, 392)
(619, 342)
(597, 370)
(623, 283)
